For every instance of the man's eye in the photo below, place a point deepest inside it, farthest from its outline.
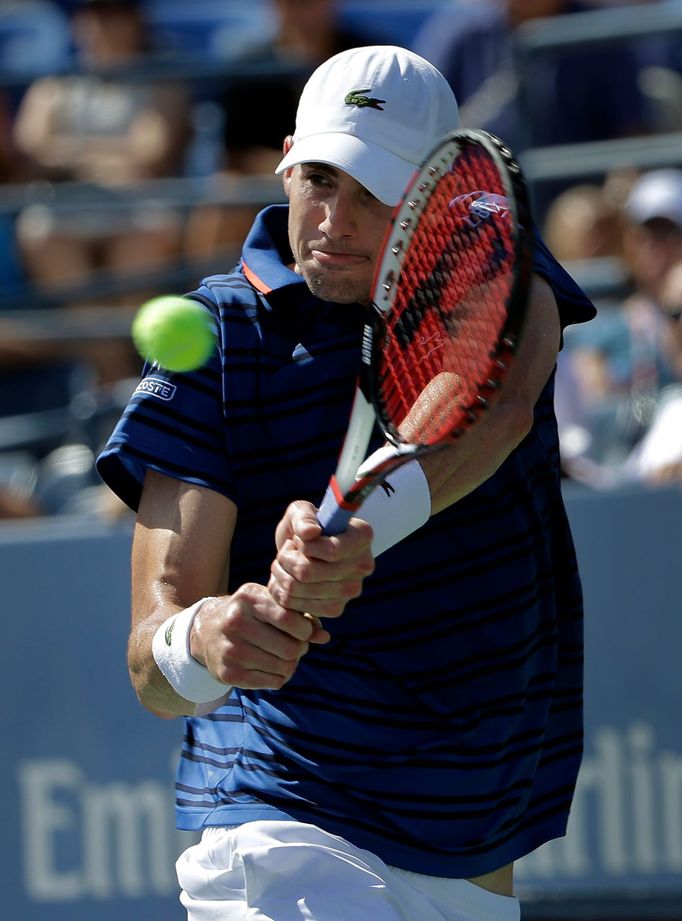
(318, 179)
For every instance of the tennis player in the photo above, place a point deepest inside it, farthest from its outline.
(390, 754)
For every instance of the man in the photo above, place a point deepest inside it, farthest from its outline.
(575, 94)
(392, 752)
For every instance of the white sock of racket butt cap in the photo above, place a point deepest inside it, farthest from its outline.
(400, 505)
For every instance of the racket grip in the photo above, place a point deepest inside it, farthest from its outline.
(332, 517)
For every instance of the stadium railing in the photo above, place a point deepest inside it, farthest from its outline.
(29, 313)
(597, 27)
(540, 164)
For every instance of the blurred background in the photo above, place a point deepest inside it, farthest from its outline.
(138, 140)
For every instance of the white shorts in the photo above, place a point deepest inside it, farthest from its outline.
(290, 871)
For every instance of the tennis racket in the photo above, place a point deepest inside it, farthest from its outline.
(448, 302)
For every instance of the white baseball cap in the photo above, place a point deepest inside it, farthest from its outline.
(374, 112)
(656, 194)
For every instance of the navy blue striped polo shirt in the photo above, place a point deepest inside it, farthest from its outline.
(441, 727)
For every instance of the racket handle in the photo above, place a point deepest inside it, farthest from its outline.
(332, 517)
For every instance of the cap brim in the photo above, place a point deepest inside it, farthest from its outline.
(382, 173)
(644, 218)
(640, 213)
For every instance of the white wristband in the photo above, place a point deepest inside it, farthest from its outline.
(191, 680)
(399, 506)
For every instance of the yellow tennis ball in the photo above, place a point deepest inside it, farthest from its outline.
(175, 332)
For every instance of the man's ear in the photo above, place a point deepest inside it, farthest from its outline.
(286, 175)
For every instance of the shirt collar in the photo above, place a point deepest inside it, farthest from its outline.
(266, 255)
(266, 262)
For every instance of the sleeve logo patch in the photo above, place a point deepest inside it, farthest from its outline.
(156, 387)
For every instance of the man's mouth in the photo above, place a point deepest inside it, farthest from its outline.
(337, 259)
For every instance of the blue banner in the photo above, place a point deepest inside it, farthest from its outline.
(87, 774)
(625, 830)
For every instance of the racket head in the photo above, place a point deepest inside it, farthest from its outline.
(449, 293)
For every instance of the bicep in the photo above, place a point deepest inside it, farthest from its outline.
(181, 545)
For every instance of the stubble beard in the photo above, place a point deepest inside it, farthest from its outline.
(337, 290)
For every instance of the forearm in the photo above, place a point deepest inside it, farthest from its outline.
(422, 488)
(215, 640)
(454, 472)
(152, 689)
(172, 568)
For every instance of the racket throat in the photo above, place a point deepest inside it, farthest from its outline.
(357, 439)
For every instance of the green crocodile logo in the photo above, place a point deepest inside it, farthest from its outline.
(360, 99)
(168, 635)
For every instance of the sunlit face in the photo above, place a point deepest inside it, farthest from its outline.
(107, 36)
(309, 16)
(650, 250)
(336, 228)
(523, 10)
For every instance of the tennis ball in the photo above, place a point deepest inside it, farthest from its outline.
(175, 332)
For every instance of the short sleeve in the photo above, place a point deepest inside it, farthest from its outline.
(173, 424)
(574, 305)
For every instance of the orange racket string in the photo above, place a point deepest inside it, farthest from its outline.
(450, 305)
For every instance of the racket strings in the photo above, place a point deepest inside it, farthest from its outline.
(442, 336)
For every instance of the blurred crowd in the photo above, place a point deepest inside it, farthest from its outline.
(120, 118)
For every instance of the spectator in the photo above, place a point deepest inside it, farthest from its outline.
(657, 458)
(579, 95)
(584, 222)
(624, 363)
(566, 97)
(306, 34)
(259, 113)
(31, 379)
(99, 126)
(13, 170)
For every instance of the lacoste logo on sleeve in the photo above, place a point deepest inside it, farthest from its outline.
(156, 387)
(360, 99)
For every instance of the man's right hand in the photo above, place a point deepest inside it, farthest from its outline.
(248, 640)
